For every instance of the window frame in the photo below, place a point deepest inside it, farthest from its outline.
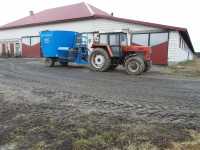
(167, 39)
(148, 40)
(115, 34)
(149, 33)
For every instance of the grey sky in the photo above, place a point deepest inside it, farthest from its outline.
(182, 13)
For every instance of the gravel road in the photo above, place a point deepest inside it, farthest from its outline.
(29, 90)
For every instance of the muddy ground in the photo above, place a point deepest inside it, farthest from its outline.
(68, 108)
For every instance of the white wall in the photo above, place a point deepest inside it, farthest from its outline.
(93, 25)
(0, 49)
(80, 26)
(175, 52)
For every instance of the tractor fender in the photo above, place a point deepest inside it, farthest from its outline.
(131, 55)
(105, 47)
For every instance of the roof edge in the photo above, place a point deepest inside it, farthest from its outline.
(156, 25)
(47, 23)
(104, 17)
(89, 9)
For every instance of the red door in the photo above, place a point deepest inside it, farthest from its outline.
(31, 47)
(3, 50)
(160, 54)
(159, 45)
(12, 50)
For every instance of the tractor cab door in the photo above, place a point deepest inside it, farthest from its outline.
(116, 41)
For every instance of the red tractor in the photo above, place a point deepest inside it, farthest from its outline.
(112, 49)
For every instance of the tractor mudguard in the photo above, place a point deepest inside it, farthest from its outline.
(128, 56)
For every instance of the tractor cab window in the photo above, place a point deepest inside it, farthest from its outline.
(103, 39)
(123, 39)
(114, 39)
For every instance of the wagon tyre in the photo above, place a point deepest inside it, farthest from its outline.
(99, 60)
(134, 65)
(65, 64)
(49, 62)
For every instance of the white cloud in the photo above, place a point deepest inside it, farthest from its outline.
(183, 13)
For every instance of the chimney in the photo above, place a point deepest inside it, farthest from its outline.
(112, 14)
(31, 13)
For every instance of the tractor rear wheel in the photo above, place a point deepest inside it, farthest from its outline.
(134, 65)
(49, 62)
(99, 60)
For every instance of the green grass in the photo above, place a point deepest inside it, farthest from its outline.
(189, 68)
(40, 132)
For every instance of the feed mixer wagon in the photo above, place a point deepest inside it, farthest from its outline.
(63, 47)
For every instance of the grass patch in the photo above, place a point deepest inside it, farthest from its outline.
(89, 132)
(189, 68)
(193, 144)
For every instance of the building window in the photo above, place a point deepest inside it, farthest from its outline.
(26, 41)
(140, 39)
(35, 40)
(158, 38)
(182, 43)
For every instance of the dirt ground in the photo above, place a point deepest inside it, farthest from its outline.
(73, 108)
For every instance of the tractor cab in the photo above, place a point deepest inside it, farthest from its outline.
(115, 40)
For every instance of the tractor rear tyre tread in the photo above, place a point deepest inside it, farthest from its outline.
(107, 60)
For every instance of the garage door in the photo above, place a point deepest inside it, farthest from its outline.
(3, 50)
(12, 50)
(31, 47)
(158, 43)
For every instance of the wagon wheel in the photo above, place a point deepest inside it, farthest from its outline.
(49, 62)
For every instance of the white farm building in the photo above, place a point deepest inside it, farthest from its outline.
(21, 38)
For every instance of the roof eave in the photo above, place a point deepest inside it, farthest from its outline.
(155, 25)
(46, 23)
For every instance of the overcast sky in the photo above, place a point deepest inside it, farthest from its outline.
(181, 13)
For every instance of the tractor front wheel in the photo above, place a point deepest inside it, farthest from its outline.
(99, 60)
(134, 65)
(49, 62)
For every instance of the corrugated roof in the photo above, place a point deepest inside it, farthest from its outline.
(75, 11)
(83, 11)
